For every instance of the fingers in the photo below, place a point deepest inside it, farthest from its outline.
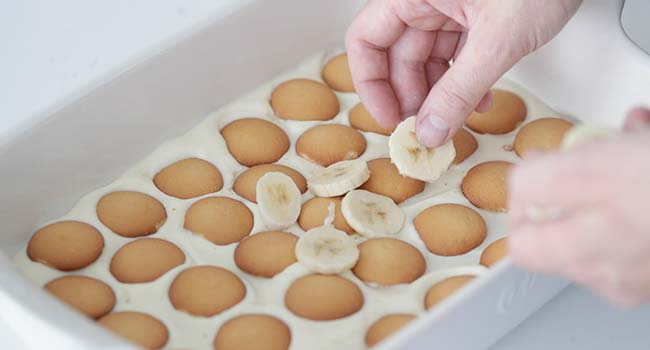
(595, 240)
(441, 53)
(445, 45)
(407, 59)
(435, 68)
(560, 245)
(637, 119)
(369, 36)
(458, 92)
(555, 182)
(485, 104)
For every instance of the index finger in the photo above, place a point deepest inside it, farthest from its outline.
(368, 38)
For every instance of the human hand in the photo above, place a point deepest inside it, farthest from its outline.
(600, 193)
(399, 53)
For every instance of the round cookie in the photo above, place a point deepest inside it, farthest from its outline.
(266, 254)
(90, 296)
(385, 327)
(336, 74)
(220, 220)
(66, 245)
(245, 184)
(145, 260)
(254, 141)
(361, 119)
(465, 144)
(485, 185)
(315, 210)
(386, 180)
(253, 332)
(494, 252)
(304, 99)
(388, 261)
(137, 327)
(189, 178)
(443, 289)
(131, 214)
(544, 134)
(450, 229)
(330, 143)
(206, 290)
(508, 110)
(323, 297)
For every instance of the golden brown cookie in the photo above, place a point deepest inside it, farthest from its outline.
(246, 183)
(330, 143)
(66, 245)
(304, 99)
(361, 119)
(131, 214)
(494, 252)
(385, 327)
(386, 180)
(137, 327)
(253, 332)
(485, 185)
(145, 259)
(450, 229)
(254, 141)
(444, 288)
(189, 178)
(206, 290)
(266, 254)
(465, 144)
(388, 261)
(336, 74)
(90, 296)
(508, 110)
(221, 220)
(544, 134)
(323, 297)
(315, 210)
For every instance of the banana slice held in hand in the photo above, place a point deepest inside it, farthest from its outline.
(371, 214)
(324, 249)
(413, 159)
(278, 199)
(339, 178)
(584, 133)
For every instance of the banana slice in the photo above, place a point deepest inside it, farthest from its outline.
(278, 199)
(414, 160)
(583, 133)
(324, 249)
(339, 178)
(372, 214)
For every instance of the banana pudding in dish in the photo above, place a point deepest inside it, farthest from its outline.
(289, 219)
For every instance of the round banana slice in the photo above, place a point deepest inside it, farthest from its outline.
(583, 133)
(372, 214)
(278, 199)
(324, 249)
(339, 178)
(413, 159)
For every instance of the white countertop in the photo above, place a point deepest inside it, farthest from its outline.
(51, 49)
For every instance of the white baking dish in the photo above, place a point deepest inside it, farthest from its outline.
(590, 70)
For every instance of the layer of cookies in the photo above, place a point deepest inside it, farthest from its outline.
(167, 218)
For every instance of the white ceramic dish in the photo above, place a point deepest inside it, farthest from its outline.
(591, 70)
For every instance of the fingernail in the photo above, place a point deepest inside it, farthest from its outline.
(433, 131)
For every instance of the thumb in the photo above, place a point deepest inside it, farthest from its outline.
(458, 92)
